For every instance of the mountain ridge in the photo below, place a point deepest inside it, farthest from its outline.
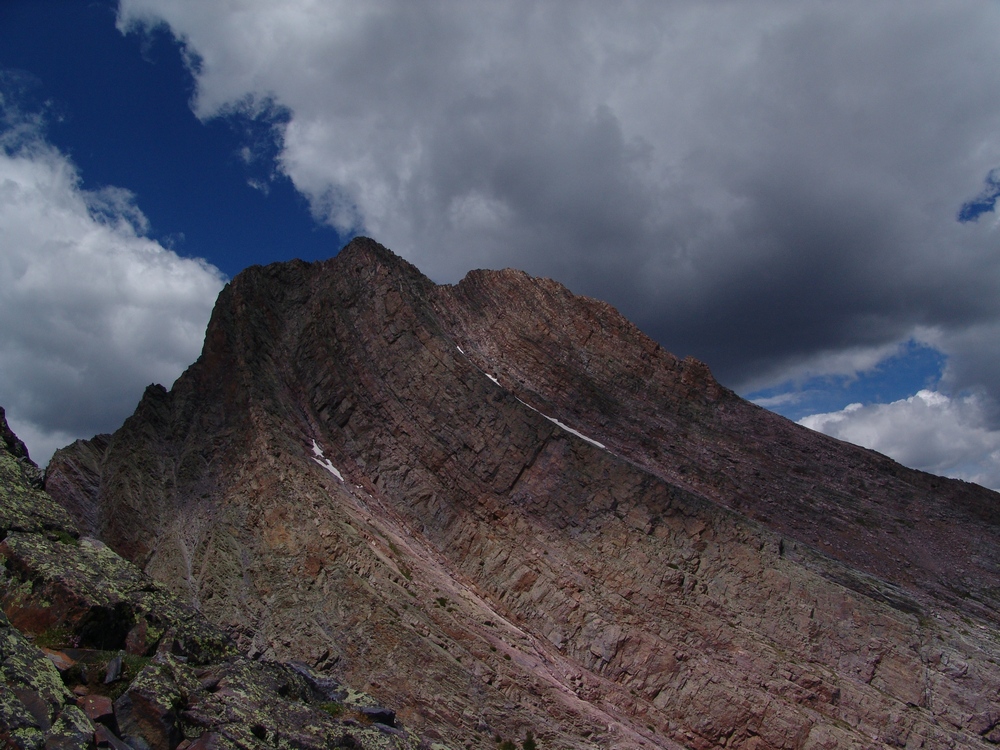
(502, 507)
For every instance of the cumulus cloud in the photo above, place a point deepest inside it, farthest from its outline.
(755, 183)
(774, 187)
(91, 311)
(928, 431)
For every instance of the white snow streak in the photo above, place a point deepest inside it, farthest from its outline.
(325, 463)
(571, 430)
(553, 421)
(568, 429)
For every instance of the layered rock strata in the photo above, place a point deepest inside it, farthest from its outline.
(501, 508)
(93, 653)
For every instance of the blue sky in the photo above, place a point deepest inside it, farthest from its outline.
(800, 194)
(913, 368)
(119, 106)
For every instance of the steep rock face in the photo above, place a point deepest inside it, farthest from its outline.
(92, 650)
(76, 478)
(502, 508)
(673, 420)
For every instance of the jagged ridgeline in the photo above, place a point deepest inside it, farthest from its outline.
(500, 508)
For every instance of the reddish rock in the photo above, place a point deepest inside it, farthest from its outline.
(98, 708)
(138, 641)
(60, 659)
(37, 705)
(104, 737)
(499, 504)
(207, 741)
(148, 711)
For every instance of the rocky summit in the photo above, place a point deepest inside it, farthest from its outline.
(504, 512)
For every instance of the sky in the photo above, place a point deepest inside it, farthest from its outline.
(802, 194)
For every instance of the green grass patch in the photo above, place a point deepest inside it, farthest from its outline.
(336, 710)
(56, 637)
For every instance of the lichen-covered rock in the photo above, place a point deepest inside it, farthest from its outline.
(25, 507)
(72, 731)
(98, 599)
(35, 707)
(248, 704)
(148, 711)
(9, 442)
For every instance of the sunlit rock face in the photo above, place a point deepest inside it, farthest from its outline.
(499, 507)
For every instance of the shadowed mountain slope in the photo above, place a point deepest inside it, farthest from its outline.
(500, 507)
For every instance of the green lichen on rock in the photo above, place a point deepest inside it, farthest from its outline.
(34, 710)
(254, 704)
(19, 727)
(358, 699)
(26, 508)
(72, 730)
(24, 666)
(98, 596)
(150, 708)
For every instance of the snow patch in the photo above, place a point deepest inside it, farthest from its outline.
(556, 422)
(568, 429)
(459, 348)
(325, 463)
(574, 432)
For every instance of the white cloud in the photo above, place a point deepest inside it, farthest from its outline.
(771, 186)
(973, 360)
(91, 311)
(848, 362)
(754, 182)
(928, 431)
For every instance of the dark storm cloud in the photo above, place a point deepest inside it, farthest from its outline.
(771, 186)
(757, 184)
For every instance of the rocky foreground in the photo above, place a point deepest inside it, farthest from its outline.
(500, 508)
(93, 653)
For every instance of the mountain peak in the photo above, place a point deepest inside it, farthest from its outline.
(501, 507)
(367, 249)
(364, 252)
